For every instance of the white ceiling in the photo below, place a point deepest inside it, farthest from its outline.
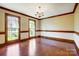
(49, 9)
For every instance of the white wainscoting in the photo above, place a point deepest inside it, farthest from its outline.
(58, 35)
(24, 35)
(2, 38)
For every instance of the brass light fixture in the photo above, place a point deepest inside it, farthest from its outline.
(39, 13)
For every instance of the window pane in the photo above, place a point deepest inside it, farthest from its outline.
(32, 24)
(32, 28)
(13, 28)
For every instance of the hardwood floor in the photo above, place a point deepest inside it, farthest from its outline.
(39, 47)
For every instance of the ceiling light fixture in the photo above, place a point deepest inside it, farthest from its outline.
(39, 13)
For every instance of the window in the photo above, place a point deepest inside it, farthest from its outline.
(32, 27)
(13, 28)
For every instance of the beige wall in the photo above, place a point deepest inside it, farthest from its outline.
(65, 22)
(76, 19)
(76, 25)
(23, 24)
(2, 27)
(2, 22)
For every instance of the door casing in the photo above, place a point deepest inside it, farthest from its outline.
(29, 26)
(6, 29)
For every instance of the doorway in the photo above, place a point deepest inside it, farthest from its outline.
(12, 27)
(32, 28)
